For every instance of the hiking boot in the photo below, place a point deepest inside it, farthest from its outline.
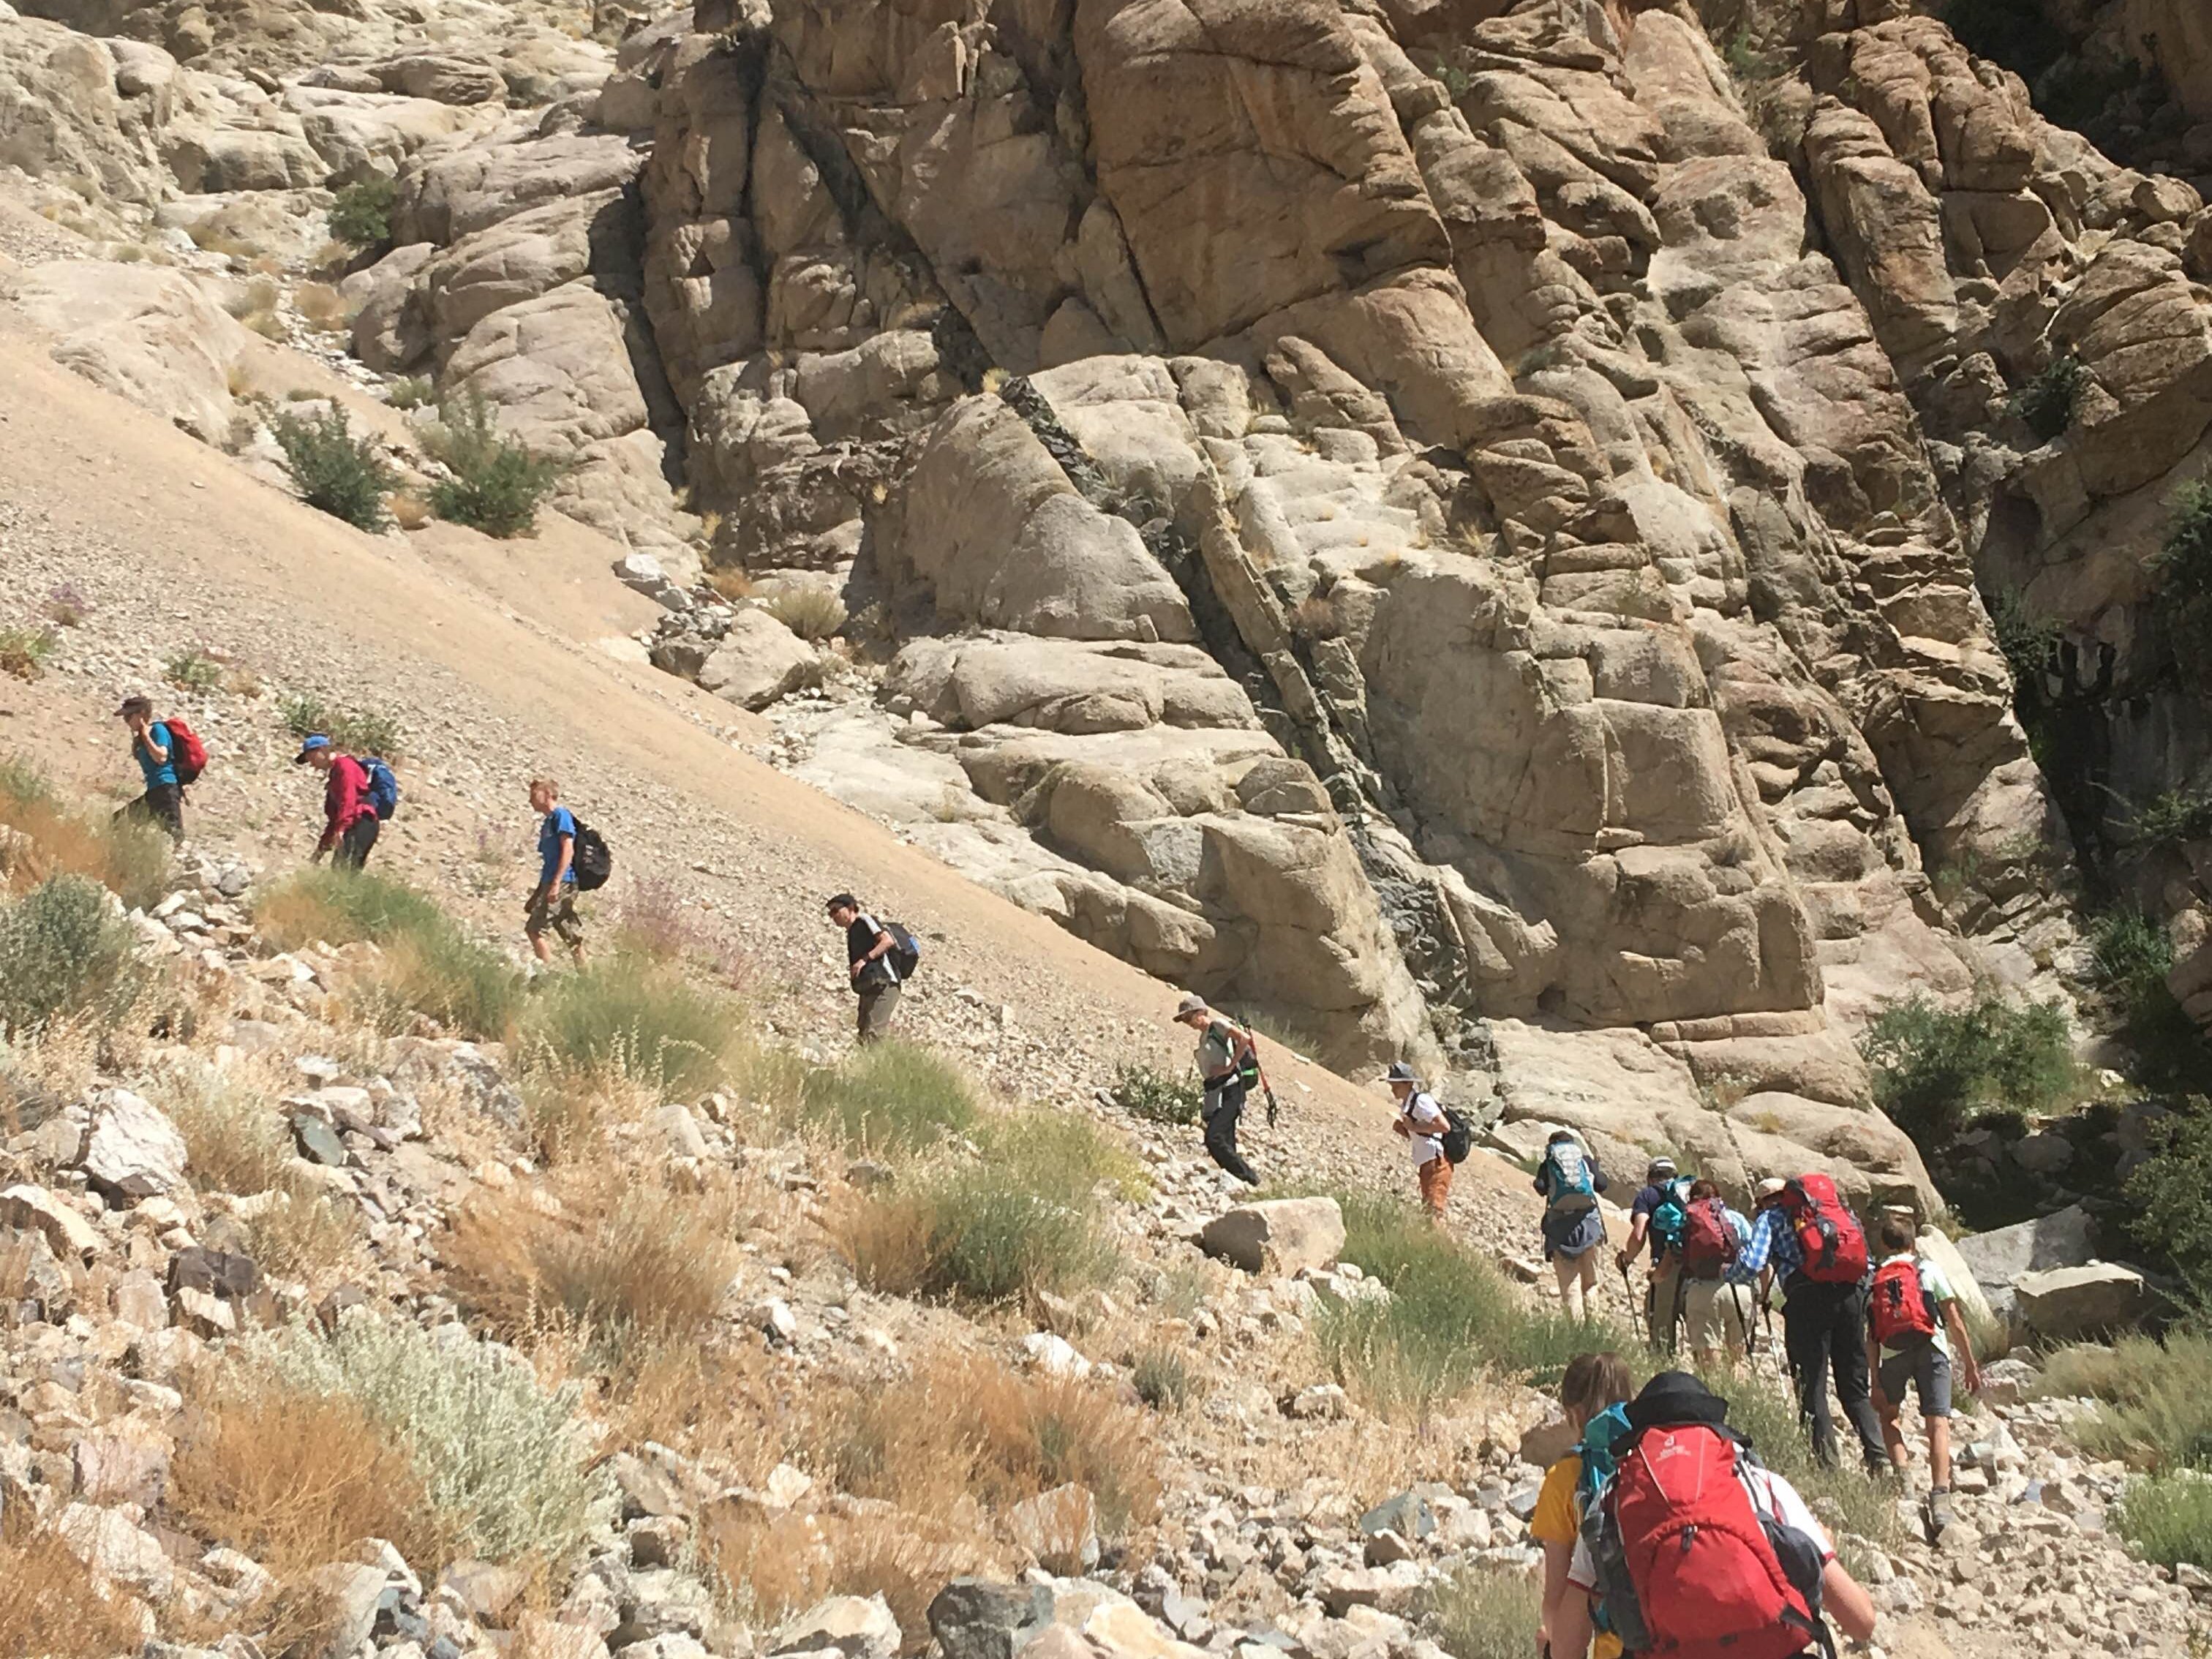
(1940, 1515)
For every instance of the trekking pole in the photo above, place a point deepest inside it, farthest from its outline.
(1628, 1289)
(1743, 1321)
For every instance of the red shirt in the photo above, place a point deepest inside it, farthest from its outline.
(345, 798)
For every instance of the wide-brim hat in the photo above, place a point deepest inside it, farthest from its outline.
(1399, 1072)
(1659, 1169)
(1676, 1397)
(1192, 1004)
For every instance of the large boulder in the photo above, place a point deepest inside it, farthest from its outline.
(78, 108)
(758, 660)
(2065, 1304)
(2065, 1238)
(150, 334)
(1277, 1237)
(133, 1149)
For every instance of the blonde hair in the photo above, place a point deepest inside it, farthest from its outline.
(550, 786)
(1594, 1381)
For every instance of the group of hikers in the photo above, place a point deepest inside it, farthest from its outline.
(360, 794)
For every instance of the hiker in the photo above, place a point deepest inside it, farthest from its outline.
(1226, 1054)
(350, 825)
(153, 747)
(1806, 1237)
(1716, 1313)
(1422, 1125)
(1591, 1393)
(552, 904)
(869, 952)
(1656, 1218)
(1694, 1548)
(1573, 1226)
(1913, 1328)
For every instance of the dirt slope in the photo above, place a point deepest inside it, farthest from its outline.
(483, 650)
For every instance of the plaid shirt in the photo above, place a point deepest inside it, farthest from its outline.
(1773, 1244)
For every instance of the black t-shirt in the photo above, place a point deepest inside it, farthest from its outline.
(859, 939)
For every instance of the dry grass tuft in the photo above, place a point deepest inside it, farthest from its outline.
(49, 1604)
(324, 306)
(812, 613)
(235, 1132)
(775, 1568)
(298, 1230)
(730, 582)
(296, 1479)
(131, 860)
(626, 1267)
(715, 1402)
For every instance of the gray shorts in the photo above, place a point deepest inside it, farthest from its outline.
(1921, 1363)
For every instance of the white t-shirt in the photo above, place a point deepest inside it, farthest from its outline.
(1939, 1292)
(1770, 1495)
(1426, 1119)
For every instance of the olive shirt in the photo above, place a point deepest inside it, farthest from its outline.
(1216, 1049)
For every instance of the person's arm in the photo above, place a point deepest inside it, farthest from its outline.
(158, 753)
(1638, 1228)
(1962, 1344)
(1557, 1591)
(876, 946)
(1570, 1626)
(1846, 1601)
(338, 802)
(560, 865)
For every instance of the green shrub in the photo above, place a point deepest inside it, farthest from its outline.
(635, 1019)
(1451, 1318)
(2027, 641)
(1061, 1154)
(497, 484)
(2165, 1196)
(64, 953)
(193, 670)
(2168, 1518)
(2153, 1412)
(429, 966)
(24, 650)
(1486, 1613)
(355, 731)
(2182, 568)
(1936, 1067)
(994, 1239)
(508, 1465)
(2047, 402)
(343, 476)
(1162, 1378)
(361, 213)
(2170, 819)
(410, 391)
(889, 1096)
(2131, 954)
(1156, 1096)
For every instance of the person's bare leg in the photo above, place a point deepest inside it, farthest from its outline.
(1939, 1452)
(1892, 1437)
(544, 950)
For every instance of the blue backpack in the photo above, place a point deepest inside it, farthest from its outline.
(383, 787)
(1569, 1186)
(1672, 1214)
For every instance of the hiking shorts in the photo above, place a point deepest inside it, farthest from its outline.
(1713, 1314)
(559, 913)
(1923, 1364)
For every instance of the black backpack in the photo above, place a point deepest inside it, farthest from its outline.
(1458, 1138)
(905, 954)
(590, 863)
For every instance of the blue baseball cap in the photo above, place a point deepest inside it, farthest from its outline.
(309, 746)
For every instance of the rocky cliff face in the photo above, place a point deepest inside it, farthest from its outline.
(1436, 522)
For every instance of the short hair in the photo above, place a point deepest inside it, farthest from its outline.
(843, 901)
(1897, 1234)
(136, 705)
(550, 786)
(1704, 1189)
(1594, 1381)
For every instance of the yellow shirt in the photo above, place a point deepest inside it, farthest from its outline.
(1558, 1520)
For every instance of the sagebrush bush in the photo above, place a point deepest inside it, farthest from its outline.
(410, 391)
(1162, 1378)
(1935, 1067)
(355, 731)
(1156, 1096)
(24, 650)
(1486, 1613)
(64, 954)
(2047, 402)
(129, 857)
(361, 213)
(1451, 1317)
(812, 613)
(893, 1096)
(497, 485)
(193, 670)
(2168, 1517)
(506, 1465)
(2164, 1199)
(334, 471)
(2171, 818)
(631, 1018)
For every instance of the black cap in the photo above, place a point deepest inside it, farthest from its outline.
(1673, 1397)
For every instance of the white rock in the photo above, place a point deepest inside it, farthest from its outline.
(1055, 1356)
(133, 1148)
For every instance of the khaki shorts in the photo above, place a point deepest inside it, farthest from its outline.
(559, 913)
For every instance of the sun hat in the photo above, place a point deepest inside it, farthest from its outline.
(1659, 1169)
(1191, 1004)
(1399, 1072)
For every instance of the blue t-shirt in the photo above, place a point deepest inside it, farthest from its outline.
(558, 823)
(156, 773)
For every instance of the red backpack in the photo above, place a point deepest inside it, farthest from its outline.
(1900, 1306)
(1709, 1244)
(1835, 1250)
(1688, 1565)
(187, 754)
